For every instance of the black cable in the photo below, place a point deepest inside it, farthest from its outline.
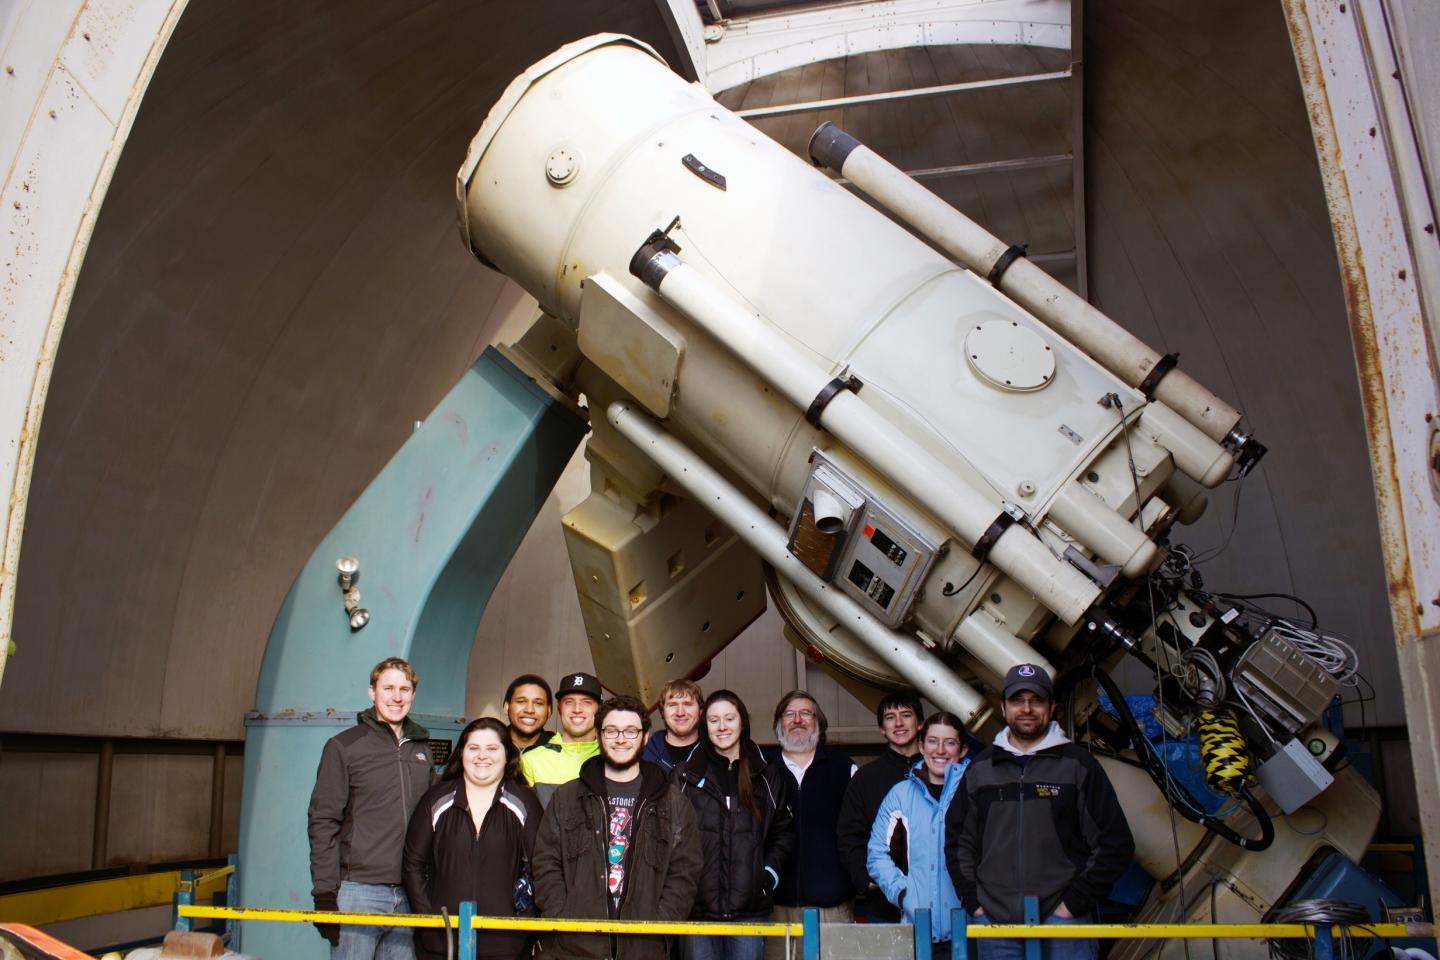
(949, 590)
(1178, 797)
(1314, 620)
(1318, 913)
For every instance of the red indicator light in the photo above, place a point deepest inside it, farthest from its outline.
(869, 531)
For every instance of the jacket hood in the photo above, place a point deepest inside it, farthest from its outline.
(652, 779)
(1054, 737)
(411, 729)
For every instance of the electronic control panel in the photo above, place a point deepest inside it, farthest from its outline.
(846, 535)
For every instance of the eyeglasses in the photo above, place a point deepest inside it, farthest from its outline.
(615, 733)
(798, 715)
(1030, 702)
(932, 744)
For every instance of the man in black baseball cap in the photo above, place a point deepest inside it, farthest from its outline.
(1076, 840)
(547, 765)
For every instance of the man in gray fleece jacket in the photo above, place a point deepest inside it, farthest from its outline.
(1035, 815)
(370, 778)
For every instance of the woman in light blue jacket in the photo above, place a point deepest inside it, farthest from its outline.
(906, 855)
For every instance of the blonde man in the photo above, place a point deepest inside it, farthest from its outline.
(680, 702)
(369, 780)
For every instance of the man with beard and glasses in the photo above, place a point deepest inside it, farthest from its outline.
(618, 842)
(1067, 846)
(898, 716)
(819, 776)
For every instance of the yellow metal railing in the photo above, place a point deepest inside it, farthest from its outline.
(809, 931)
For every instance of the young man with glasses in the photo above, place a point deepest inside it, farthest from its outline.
(898, 716)
(619, 842)
(818, 776)
(548, 764)
(1072, 832)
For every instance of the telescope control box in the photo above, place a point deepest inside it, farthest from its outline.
(848, 536)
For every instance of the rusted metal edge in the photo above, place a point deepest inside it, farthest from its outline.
(64, 292)
(1393, 372)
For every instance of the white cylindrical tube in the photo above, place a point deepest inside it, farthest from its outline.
(930, 677)
(1197, 456)
(1091, 521)
(1113, 347)
(964, 510)
(997, 648)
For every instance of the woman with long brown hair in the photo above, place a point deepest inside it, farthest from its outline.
(747, 829)
(471, 838)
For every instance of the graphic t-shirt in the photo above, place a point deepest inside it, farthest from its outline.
(621, 803)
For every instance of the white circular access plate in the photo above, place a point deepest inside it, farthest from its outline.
(562, 165)
(1009, 356)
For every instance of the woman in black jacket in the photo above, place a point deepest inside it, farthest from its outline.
(470, 838)
(747, 829)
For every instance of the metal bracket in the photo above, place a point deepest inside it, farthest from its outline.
(1012, 253)
(1157, 373)
(1010, 514)
(846, 381)
(713, 177)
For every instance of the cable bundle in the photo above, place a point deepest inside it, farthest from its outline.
(1222, 748)
(1319, 913)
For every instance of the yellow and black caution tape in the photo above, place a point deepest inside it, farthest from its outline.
(1222, 748)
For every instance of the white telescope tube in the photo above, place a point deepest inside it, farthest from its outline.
(1095, 524)
(996, 647)
(930, 677)
(1112, 346)
(965, 511)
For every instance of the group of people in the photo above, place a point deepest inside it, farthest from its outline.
(604, 819)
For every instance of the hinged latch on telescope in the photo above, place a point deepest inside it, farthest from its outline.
(1010, 514)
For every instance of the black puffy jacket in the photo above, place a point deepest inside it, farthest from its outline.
(743, 855)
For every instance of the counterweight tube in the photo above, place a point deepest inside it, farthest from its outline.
(1068, 314)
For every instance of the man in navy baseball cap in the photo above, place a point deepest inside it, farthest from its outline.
(1076, 840)
(1028, 676)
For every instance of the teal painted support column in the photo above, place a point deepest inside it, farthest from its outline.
(433, 533)
(183, 898)
(810, 944)
(921, 931)
(959, 934)
(467, 930)
(1324, 946)
(1032, 917)
(232, 888)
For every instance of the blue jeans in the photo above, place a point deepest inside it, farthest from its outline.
(373, 943)
(1049, 949)
(722, 948)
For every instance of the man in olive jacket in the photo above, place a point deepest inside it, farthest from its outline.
(619, 842)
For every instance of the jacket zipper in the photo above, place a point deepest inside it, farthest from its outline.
(1024, 769)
